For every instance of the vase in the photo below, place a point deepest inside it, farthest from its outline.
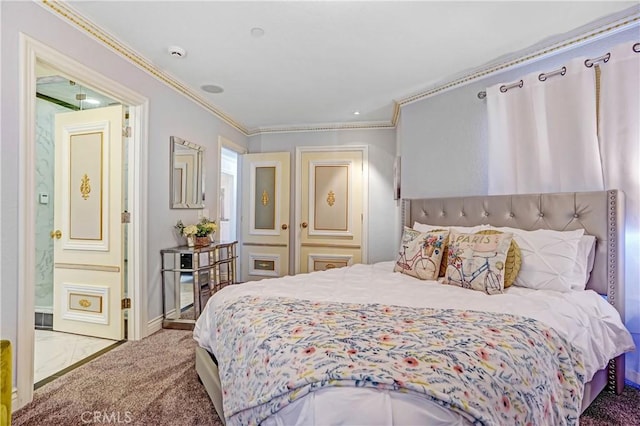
(191, 241)
(202, 241)
(212, 236)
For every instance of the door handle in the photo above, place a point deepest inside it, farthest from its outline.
(304, 224)
(284, 226)
(57, 234)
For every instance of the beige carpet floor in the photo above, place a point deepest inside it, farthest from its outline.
(148, 382)
(154, 382)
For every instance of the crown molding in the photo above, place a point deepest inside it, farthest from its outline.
(581, 36)
(322, 127)
(68, 13)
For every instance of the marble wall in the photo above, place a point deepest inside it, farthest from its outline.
(45, 168)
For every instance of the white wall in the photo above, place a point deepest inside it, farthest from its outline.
(444, 147)
(170, 113)
(383, 215)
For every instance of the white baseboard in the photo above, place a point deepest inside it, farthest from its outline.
(14, 400)
(154, 325)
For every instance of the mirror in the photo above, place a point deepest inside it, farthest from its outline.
(187, 175)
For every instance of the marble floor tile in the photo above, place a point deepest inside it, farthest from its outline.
(55, 351)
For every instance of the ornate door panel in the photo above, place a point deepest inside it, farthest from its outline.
(331, 209)
(88, 278)
(265, 218)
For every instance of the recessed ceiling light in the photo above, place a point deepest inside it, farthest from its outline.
(257, 32)
(212, 88)
(92, 101)
(177, 51)
(356, 112)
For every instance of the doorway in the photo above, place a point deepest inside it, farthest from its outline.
(58, 347)
(228, 201)
(229, 189)
(32, 52)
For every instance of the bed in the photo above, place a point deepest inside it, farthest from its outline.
(313, 388)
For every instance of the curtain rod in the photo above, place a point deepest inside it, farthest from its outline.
(562, 71)
(591, 62)
(544, 76)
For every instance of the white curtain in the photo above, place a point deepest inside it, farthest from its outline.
(620, 147)
(544, 137)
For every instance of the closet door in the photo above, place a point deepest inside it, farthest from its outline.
(265, 218)
(331, 209)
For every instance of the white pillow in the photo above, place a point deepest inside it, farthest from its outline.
(548, 259)
(423, 227)
(585, 258)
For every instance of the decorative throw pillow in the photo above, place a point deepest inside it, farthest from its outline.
(514, 258)
(477, 262)
(420, 253)
(423, 227)
(548, 258)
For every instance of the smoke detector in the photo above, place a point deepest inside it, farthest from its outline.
(177, 51)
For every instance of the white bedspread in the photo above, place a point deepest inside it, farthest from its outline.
(585, 318)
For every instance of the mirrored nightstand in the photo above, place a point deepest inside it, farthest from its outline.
(190, 275)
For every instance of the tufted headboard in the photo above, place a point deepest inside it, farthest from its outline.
(600, 213)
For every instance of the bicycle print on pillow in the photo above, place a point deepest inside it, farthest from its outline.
(477, 262)
(421, 253)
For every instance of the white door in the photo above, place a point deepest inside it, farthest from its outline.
(88, 276)
(331, 209)
(265, 215)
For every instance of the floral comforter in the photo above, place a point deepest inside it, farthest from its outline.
(490, 368)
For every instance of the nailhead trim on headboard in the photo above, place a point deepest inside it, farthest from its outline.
(600, 213)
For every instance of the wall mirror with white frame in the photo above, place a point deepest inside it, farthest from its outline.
(187, 175)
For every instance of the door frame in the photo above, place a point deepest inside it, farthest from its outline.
(224, 142)
(30, 51)
(365, 196)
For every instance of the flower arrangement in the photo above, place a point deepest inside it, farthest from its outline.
(201, 229)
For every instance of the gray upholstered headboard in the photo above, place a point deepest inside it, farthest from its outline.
(600, 213)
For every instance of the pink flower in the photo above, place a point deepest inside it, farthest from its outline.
(297, 330)
(411, 361)
(483, 354)
(309, 351)
(385, 338)
(458, 369)
(352, 352)
(506, 404)
(560, 376)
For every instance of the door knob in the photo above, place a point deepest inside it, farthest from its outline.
(57, 234)
(304, 224)
(284, 226)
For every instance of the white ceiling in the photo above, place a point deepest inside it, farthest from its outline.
(319, 62)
